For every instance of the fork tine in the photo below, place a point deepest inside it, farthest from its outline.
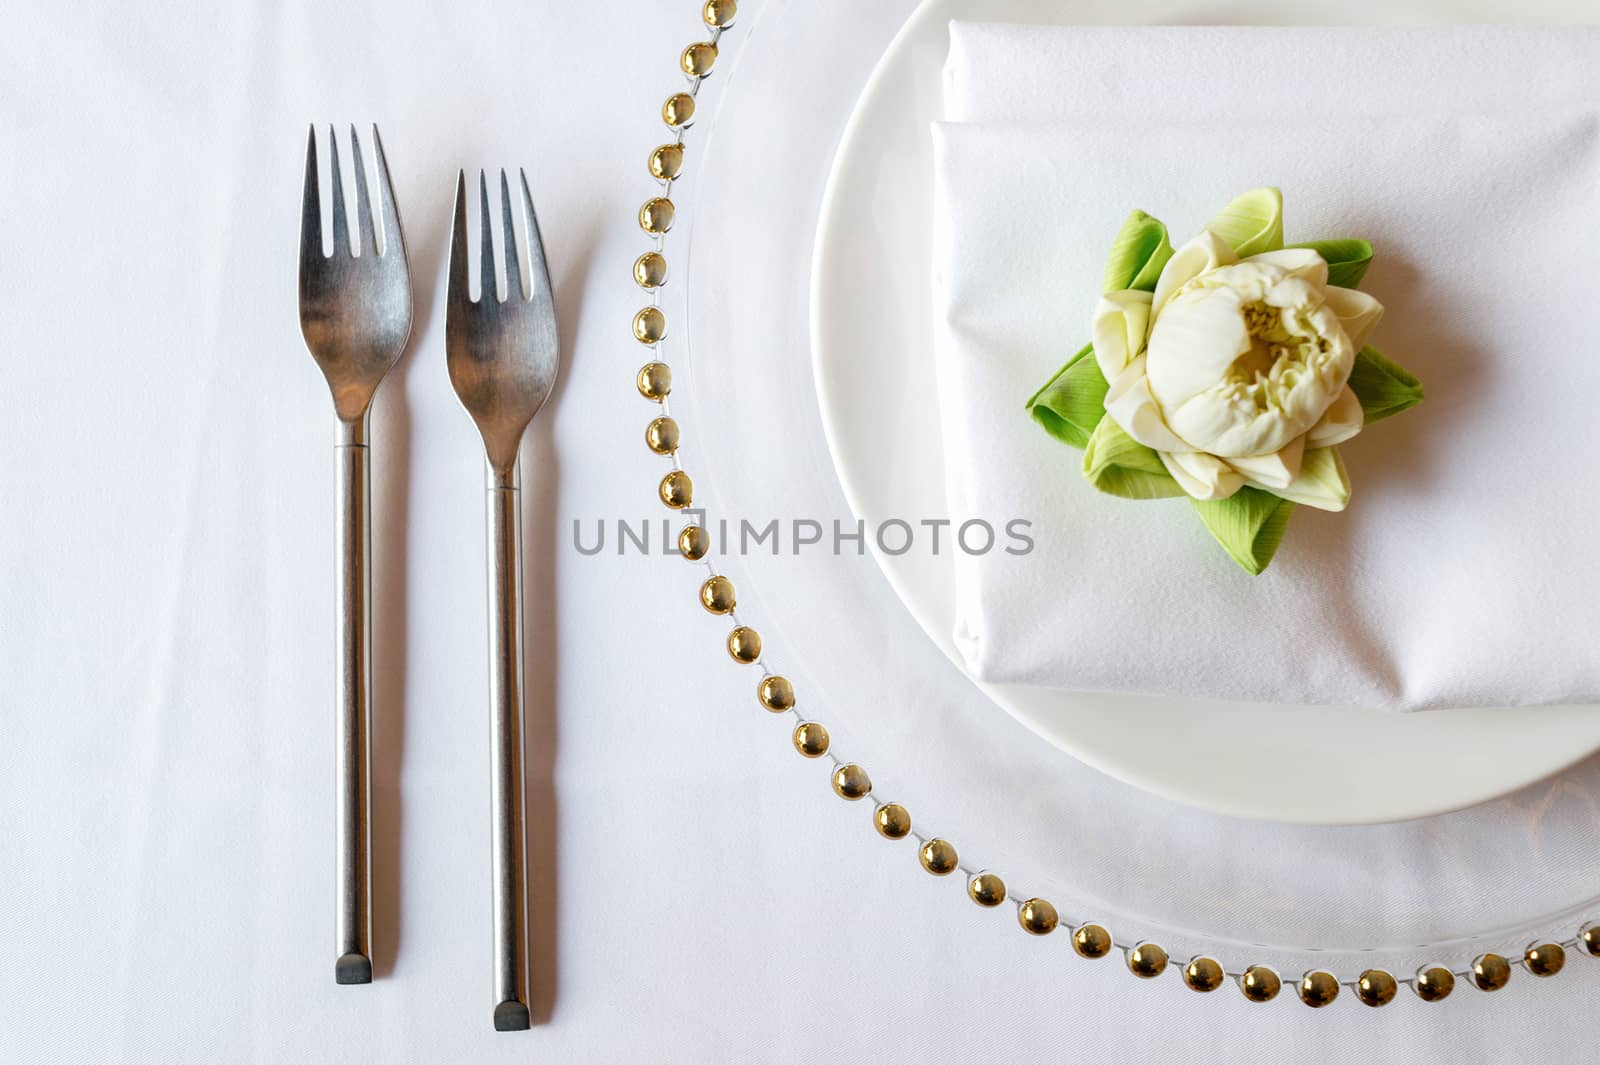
(341, 226)
(393, 237)
(538, 287)
(488, 280)
(514, 289)
(457, 291)
(311, 209)
(365, 243)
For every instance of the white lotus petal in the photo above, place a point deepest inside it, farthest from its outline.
(1121, 320)
(1228, 430)
(1193, 343)
(1277, 470)
(1205, 252)
(1206, 418)
(1293, 293)
(1205, 477)
(1339, 423)
(1323, 482)
(1302, 263)
(1130, 404)
(1357, 311)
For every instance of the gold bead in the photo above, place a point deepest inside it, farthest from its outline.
(666, 161)
(776, 694)
(1260, 984)
(1147, 961)
(744, 644)
(1545, 959)
(650, 270)
(986, 889)
(892, 820)
(655, 381)
(1375, 988)
(1203, 974)
(677, 491)
(1091, 941)
(1038, 917)
(678, 111)
(716, 595)
(811, 739)
(1590, 937)
(661, 436)
(1318, 988)
(693, 543)
(656, 216)
(1490, 972)
(719, 13)
(938, 856)
(698, 59)
(1434, 983)
(851, 782)
(649, 326)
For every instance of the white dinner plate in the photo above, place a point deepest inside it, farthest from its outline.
(871, 318)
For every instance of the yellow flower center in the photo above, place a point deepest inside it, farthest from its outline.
(1282, 350)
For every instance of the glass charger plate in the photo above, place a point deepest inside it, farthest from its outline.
(1295, 897)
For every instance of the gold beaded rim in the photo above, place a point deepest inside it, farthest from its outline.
(716, 595)
(1375, 987)
(811, 739)
(1260, 984)
(1091, 941)
(1038, 917)
(776, 693)
(1147, 960)
(1433, 982)
(892, 820)
(1318, 988)
(939, 857)
(986, 889)
(1203, 974)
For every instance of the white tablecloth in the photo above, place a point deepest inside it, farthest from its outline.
(166, 567)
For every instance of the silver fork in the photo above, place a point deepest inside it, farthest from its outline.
(355, 315)
(503, 358)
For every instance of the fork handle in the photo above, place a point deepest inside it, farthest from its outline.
(505, 723)
(353, 604)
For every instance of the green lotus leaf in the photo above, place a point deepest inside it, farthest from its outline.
(1248, 524)
(1138, 254)
(1383, 387)
(1251, 224)
(1116, 463)
(1073, 402)
(1347, 259)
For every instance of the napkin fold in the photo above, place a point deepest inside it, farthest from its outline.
(1023, 73)
(1465, 572)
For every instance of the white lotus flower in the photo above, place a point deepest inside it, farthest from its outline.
(1234, 367)
(1227, 371)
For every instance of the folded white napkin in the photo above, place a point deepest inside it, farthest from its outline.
(1466, 570)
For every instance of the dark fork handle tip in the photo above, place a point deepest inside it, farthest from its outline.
(511, 1017)
(353, 968)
